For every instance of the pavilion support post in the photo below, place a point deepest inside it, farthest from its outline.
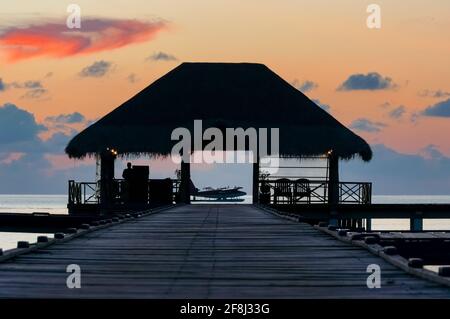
(333, 180)
(185, 194)
(255, 199)
(333, 187)
(106, 178)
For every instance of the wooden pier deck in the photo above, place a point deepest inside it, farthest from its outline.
(208, 251)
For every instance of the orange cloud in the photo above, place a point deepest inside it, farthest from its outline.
(58, 41)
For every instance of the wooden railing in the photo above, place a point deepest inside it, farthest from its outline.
(83, 193)
(303, 191)
(88, 193)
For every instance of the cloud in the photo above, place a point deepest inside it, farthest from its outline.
(397, 112)
(71, 118)
(132, 78)
(54, 39)
(325, 107)
(371, 81)
(34, 94)
(367, 125)
(305, 86)
(435, 94)
(57, 142)
(42, 174)
(35, 89)
(431, 152)
(96, 70)
(441, 109)
(24, 156)
(385, 105)
(2, 85)
(395, 173)
(161, 56)
(17, 125)
(8, 158)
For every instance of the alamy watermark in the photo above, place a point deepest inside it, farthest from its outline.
(239, 146)
(74, 279)
(74, 19)
(374, 279)
(374, 19)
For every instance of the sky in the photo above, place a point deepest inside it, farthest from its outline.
(390, 85)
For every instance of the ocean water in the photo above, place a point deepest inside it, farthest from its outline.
(57, 204)
(27, 204)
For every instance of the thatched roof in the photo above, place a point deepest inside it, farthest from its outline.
(222, 95)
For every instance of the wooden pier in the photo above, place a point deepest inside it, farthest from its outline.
(207, 251)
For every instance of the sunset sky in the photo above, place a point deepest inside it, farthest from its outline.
(389, 85)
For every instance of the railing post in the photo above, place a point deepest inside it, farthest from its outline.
(70, 191)
(255, 198)
(184, 191)
(368, 224)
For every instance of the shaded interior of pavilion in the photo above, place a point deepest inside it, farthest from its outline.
(275, 181)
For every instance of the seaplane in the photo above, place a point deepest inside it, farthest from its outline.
(223, 194)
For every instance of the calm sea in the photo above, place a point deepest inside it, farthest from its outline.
(56, 204)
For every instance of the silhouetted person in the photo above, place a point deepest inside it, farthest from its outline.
(127, 172)
(127, 176)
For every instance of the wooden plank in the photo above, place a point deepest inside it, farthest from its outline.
(208, 251)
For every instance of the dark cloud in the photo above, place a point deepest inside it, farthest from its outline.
(395, 173)
(161, 56)
(24, 156)
(57, 143)
(367, 125)
(305, 86)
(441, 109)
(370, 81)
(34, 94)
(435, 94)
(71, 118)
(17, 125)
(40, 175)
(97, 69)
(397, 112)
(35, 89)
(30, 85)
(325, 107)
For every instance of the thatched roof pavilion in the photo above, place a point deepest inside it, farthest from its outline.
(222, 95)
